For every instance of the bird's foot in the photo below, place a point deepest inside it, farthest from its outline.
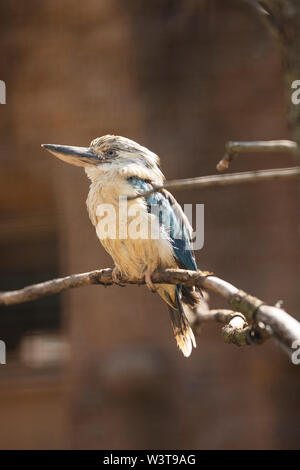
(117, 276)
(147, 276)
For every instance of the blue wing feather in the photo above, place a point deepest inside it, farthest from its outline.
(172, 218)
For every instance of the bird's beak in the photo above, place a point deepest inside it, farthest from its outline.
(79, 156)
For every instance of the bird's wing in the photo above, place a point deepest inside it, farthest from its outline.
(172, 219)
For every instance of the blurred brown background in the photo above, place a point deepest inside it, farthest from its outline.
(99, 368)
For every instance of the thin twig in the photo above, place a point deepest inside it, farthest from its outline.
(219, 315)
(285, 328)
(233, 149)
(225, 180)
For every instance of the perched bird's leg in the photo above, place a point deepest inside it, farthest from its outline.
(147, 276)
(116, 275)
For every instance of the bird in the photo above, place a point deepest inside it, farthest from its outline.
(119, 168)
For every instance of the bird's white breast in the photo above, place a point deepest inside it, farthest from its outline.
(131, 254)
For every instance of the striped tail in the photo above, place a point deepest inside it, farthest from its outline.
(182, 331)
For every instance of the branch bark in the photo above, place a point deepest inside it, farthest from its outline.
(225, 180)
(233, 149)
(280, 324)
(236, 330)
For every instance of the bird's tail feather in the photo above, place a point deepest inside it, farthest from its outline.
(179, 314)
(182, 331)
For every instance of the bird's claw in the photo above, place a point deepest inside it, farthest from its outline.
(116, 277)
(147, 276)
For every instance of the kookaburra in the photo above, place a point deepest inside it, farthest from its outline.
(118, 167)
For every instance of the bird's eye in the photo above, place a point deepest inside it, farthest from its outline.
(111, 153)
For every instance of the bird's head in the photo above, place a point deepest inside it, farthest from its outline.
(107, 153)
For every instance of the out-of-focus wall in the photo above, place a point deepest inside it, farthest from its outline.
(182, 78)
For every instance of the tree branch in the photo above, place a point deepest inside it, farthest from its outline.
(282, 326)
(225, 180)
(233, 149)
(236, 329)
